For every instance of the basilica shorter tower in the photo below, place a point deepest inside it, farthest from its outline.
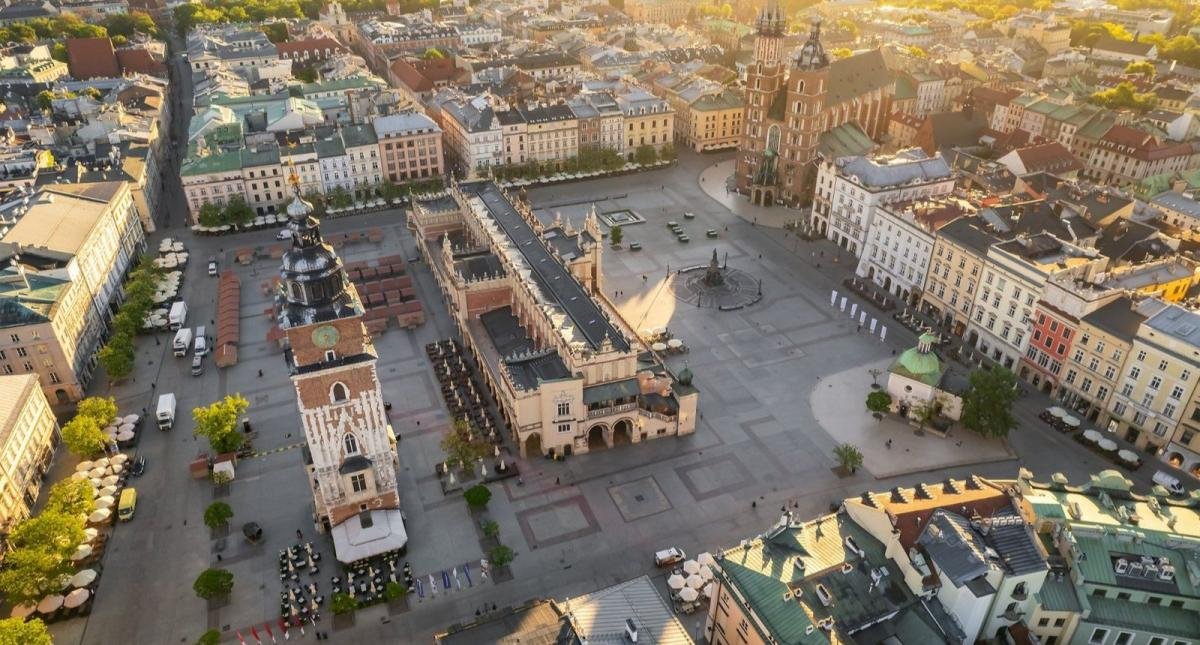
(351, 451)
(791, 101)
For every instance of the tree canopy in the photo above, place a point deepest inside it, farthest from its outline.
(987, 403)
(71, 497)
(217, 515)
(102, 409)
(212, 583)
(848, 456)
(219, 422)
(83, 437)
(18, 631)
(462, 445)
(1124, 95)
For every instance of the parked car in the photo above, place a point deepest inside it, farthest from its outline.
(667, 557)
(138, 467)
(212, 266)
(1169, 482)
(284, 234)
(689, 215)
(635, 246)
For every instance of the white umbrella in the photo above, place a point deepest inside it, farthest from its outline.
(125, 435)
(696, 581)
(691, 567)
(674, 343)
(105, 501)
(676, 581)
(119, 459)
(125, 427)
(658, 347)
(101, 462)
(107, 490)
(99, 515)
(111, 480)
(90, 534)
(707, 591)
(1128, 455)
(96, 481)
(1071, 421)
(76, 598)
(97, 472)
(1107, 444)
(707, 559)
(116, 469)
(23, 610)
(82, 552)
(130, 418)
(50, 604)
(687, 594)
(1057, 412)
(706, 572)
(1091, 435)
(83, 466)
(79, 475)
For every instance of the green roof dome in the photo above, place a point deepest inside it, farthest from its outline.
(685, 376)
(920, 363)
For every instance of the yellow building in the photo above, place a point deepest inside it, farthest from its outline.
(713, 121)
(1102, 344)
(671, 12)
(1159, 377)
(1167, 278)
(28, 434)
(959, 254)
(649, 121)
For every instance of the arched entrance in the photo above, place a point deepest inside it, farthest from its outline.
(623, 432)
(533, 446)
(767, 198)
(596, 439)
(1047, 387)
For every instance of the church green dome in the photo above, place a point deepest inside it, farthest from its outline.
(920, 363)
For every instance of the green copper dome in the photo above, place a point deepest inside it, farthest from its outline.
(920, 363)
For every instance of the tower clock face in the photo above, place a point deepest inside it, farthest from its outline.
(325, 336)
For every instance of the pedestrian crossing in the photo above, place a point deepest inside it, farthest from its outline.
(275, 451)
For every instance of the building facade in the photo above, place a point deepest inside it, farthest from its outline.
(28, 436)
(410, 146)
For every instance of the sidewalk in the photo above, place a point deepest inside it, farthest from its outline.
(713, 181)
(845, 419)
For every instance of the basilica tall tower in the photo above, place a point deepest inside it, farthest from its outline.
(764, 82)
(351, 451)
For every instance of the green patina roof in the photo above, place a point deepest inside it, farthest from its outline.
(1097, 566)
(919, 365)
(21, 305)
(219, 162)
(904, 88)
(341, 84)
(803, 557)
(1157, 619)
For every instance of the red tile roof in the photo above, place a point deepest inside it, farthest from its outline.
(141, 61)
(424, 75)
(92, 58)
(315, 48)
(1048, 157)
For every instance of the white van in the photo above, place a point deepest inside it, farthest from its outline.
(182, 342)
(1169, 482)
(201, 341)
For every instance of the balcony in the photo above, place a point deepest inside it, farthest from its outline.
(611, 409)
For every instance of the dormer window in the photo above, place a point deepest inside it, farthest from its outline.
(339, 393)
(330, 356)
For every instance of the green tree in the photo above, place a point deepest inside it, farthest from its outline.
(341, 603)
(1085, 33)
(217, 515)
(645, 155)
(500, 555)
(277, 32)
(54, 532)
(102, 409)
(304, 73)
(16, 631)
(849, 457)
(433, 53)
(477, 496)
(848, 26)
(237, 211)
(1142, 67)
(117, 356)
(491, 529)
(212, 583)
(462, 445)
(615, 234)
(83, 437)
(916, 52)
(210, 637)
(879, 401)
(218, 422)
(59, 53)
(45, 100)
(32, 574)
(394, 590)
(211, 215)
(71, 497)
(987, 403)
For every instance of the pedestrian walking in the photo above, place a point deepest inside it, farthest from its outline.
(888, 443)
(259, 373)
(557, 481)
(299, 535)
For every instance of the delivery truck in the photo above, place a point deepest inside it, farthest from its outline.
(166, 411)
(182, 342)
(178, 315)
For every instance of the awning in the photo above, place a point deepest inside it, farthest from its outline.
(369, 533)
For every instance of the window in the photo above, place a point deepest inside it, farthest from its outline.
(1059, 622)
(1141, 355)
(1123, 638)
(339, 393)
(1099, 635)
(564, 408)
(358, 483)
(351, 444)
(564, 427)
(1162, 367)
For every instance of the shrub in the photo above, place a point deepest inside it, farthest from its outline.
(477, 496)
(501, 555)
(342, 603)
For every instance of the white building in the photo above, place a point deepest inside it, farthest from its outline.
(474, 137)
(900, 245)
(854, 187)
(1014, 279)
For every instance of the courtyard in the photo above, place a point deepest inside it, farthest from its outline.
(769, 422)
